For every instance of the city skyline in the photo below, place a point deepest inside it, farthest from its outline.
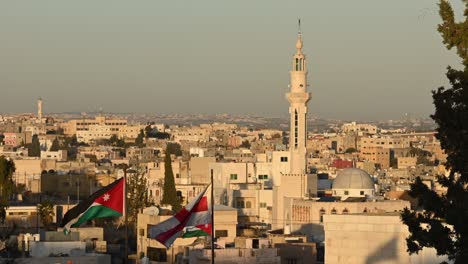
(212, 58)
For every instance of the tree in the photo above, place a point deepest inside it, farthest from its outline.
(139, 141)
(46, 213)
(137, 184)
(148, 131)
(34, 149)
(69, 144)
(441, 224)
(55, 145)
(169, 191)
(173, 148)
(350, 150)
(245, 144)
(7, 186)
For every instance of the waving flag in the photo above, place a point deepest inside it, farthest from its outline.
(193, 220)
(106, 202)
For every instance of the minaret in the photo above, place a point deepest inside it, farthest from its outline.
(39, 109)
(298, 98)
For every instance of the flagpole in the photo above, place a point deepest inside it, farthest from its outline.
(126, 216)
(212, 219)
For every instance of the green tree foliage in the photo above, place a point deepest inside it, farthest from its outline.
(148, 131)
(55, 145)
(173, 149)
(7, 186)
(276, 136)
(454, 34)
(161, 135)
(442, 222)
(34, 149)
(115, 141)
(245, 144)
(46, 213)
(169, 191)
(139, 141)
(70, 145)
(137, 190)
(350, 150)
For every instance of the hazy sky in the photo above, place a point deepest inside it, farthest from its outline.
(367, 59)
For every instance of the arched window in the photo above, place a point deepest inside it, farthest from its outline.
(248, 204)
(333, 211)
(157, 192)
(321, 212)
(151, 192)
(365, 210)
(345, 211)
(296, 130)
(297, 64)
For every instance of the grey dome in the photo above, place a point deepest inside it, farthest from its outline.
(353, 179)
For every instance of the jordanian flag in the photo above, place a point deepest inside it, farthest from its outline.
(106, 202)
(193, 220)
(197, 231)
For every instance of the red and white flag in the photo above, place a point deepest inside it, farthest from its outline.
(193, 218)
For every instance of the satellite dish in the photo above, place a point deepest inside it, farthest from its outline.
(152, 210)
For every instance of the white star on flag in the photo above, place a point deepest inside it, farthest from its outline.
(106, 197)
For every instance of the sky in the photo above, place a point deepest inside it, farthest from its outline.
(367, 59)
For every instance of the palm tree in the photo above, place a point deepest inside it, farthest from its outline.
(46, 213)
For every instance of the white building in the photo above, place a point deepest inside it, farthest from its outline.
(371, 238)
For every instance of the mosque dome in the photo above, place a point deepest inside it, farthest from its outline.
(353, 179)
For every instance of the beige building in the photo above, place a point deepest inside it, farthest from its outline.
(59, 155)
(388, 142)
(360, 129)
(27, 170)
(378, 155)
(71, 127)
(307, 216)
(407, 162)
(371, 238)
(225, 219)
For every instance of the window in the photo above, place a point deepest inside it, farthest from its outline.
(221, 233)
(157, 254)
(248, 204)
(233, 176)
(291, 261)
(263, 205)
(263, 177)
(361, 192)
(322, 212)
(240, 204)
(295, 128)
(333, 211)
(284, 159)
(346, 192)
(345, 211)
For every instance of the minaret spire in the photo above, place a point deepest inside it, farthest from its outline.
(299, 27)
(298, 97)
